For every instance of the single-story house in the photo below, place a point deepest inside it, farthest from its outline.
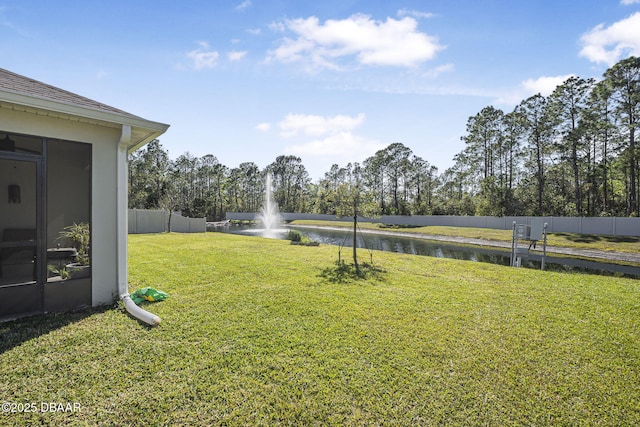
(63, 197)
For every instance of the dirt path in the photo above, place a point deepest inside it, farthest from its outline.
(575, 252)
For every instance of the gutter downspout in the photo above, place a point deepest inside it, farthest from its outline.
(123, 231)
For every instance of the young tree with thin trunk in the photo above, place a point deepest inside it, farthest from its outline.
(351, 199)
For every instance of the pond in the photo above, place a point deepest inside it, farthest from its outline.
(415, 246)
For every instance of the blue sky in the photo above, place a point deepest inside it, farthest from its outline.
(328, 81)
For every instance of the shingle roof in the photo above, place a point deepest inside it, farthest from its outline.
(15, 83)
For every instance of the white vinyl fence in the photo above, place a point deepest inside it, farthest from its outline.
(145, 221)
(613, 226)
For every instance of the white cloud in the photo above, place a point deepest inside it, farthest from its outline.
(278, 27)
(435, 72)
(341, 146)
(415, 13)
(544, 85)
(314, 125)
(333, 137)
(357, 38)
(511, 98)
(236, 55)
(628, 2)
(243, 6)
(264, 127)
(610, 44)
(203, 57)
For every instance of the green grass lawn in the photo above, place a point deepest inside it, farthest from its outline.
(567, 240)
(254, 334)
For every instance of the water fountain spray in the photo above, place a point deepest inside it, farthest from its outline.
(269, 214)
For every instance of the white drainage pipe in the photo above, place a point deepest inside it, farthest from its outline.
(139, 313)
(122, 233)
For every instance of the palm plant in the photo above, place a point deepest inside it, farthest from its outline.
(78, 236)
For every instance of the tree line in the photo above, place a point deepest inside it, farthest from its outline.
(572, 153)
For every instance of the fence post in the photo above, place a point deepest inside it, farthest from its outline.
(513, 244)
(544, 248)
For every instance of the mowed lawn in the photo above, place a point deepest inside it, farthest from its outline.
(254, 334)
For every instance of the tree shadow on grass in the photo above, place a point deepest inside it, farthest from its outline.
(341, 272)
(592, 238)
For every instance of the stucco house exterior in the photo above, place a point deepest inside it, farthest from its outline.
(63, 174)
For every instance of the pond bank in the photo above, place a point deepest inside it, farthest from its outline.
(611, 256)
